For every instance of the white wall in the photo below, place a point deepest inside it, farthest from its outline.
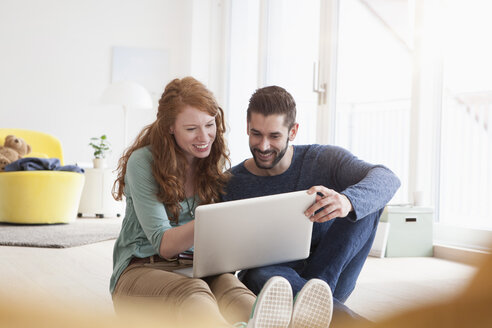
(55, 62)
(210, 32)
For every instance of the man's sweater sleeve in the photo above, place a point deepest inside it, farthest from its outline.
(372, 193)
(368, 187)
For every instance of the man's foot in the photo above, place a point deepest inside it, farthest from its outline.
(313, 306)
(273, 306)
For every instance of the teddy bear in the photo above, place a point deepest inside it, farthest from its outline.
(13, 149)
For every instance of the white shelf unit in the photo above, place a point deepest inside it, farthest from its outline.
(96, 197)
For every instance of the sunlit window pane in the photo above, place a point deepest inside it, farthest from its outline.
(291, 49)
(374, 83)
(466, 155)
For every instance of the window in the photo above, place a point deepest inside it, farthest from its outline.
(395, 60)
(289, 49)
(466, 137)
(374, 84)
(273, 42)
(242, 73)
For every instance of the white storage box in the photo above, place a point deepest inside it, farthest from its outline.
(410, 231)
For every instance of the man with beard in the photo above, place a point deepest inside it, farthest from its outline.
(351, 195)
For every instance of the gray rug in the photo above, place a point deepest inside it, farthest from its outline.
(80, 232)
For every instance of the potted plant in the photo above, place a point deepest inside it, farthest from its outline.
(101, 148)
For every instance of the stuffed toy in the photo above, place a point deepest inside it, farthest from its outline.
(13, 149)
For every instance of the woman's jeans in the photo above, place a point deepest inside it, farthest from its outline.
(216, 301)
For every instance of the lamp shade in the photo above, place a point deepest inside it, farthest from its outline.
(127, 94)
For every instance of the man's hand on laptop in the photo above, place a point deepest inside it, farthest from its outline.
(332, 205)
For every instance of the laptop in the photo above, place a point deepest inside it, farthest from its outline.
(248, 233)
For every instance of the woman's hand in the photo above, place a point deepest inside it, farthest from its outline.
(177, 240)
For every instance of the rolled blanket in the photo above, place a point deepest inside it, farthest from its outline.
(41, 164)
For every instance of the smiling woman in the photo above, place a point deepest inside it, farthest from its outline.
(175, 164)
(187, 137)
(194, 131)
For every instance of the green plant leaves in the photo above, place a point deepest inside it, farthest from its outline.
(101, 146)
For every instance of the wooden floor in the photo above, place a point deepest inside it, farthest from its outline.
(78, 277)
(387, 286)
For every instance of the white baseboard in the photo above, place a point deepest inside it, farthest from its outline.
(458, 254)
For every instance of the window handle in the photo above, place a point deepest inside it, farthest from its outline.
(316, 85)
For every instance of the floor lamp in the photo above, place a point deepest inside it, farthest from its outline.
(128, 95)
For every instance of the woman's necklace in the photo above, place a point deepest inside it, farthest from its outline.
(191, 208)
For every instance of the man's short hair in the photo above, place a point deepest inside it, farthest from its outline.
(273, 100)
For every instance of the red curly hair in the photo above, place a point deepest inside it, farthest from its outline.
(169, 162)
